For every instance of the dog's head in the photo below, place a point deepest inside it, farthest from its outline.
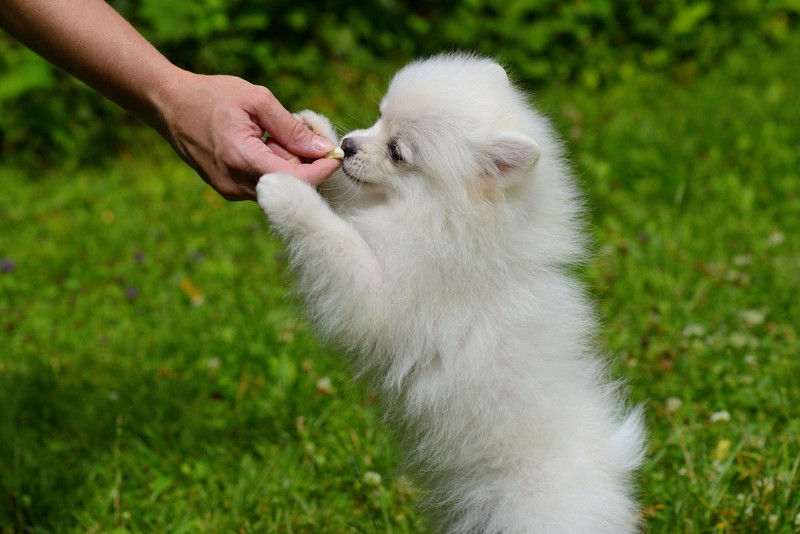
(451, 123)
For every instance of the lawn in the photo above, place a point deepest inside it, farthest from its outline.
(157, 376)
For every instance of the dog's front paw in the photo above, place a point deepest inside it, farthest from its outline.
(284, 198)
(278, 192)
(318, 124)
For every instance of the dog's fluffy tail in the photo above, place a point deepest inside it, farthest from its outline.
(628, 441)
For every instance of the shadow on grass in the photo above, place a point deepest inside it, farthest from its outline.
(106, 440)
(55, 435)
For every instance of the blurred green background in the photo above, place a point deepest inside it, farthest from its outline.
(156, 374)
(324, 54)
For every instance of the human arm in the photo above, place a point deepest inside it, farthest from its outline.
(215, 123)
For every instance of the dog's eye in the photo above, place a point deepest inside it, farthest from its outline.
(394, 152)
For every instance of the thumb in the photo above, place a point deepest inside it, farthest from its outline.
(287, 130)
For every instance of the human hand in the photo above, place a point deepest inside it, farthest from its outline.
(216, 124)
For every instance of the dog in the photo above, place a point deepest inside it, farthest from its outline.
(438, 257)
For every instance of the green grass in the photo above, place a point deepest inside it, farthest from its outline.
(156, 377)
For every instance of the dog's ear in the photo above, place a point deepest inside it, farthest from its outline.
(498, 71)
(506, 156)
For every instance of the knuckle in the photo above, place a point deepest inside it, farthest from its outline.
(235, 194)
(228, 192)
(266, 92)
(299, 132)
(267, 98)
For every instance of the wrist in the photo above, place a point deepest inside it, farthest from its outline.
(162, 100)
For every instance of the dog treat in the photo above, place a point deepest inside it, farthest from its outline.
(336, 153)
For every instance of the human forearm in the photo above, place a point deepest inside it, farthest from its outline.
(91, 41)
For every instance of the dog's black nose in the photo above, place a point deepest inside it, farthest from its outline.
(349, 147)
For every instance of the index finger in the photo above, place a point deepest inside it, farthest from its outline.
(288, 130)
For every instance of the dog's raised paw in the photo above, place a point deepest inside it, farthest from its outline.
(275, 187)
(320, 125)
(270, 191)
(283, 195)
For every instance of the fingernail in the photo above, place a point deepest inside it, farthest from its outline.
(322, 144)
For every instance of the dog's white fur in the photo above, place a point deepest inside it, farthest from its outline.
(445, 275)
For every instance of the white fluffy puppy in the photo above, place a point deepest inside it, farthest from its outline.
(439, 259)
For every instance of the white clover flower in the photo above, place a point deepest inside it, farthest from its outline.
(673, 404)
(752, 317)
(738, 340)
(694, 330)
(722, 416)
(767, 484)
(324, 386)
(371, 478)
(776, 238)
